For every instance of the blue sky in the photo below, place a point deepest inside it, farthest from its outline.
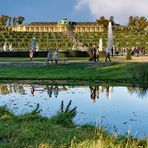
(44, 10)
(74, 10)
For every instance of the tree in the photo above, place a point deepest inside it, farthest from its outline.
(10, 21)
(14, 21)
(3, 20)
(102, 21)
(143, 22)
(20, 20)
(130, 21)
(136, 21)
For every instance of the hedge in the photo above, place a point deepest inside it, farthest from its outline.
(43, 54)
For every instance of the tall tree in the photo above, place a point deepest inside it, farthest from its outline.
(102, 21)
(20, 20)
(136, 21)
(3, 20)
(14, 21)
(143, 22)
(130, 21)
(10, 21)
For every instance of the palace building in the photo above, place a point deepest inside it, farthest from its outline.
(61, 26)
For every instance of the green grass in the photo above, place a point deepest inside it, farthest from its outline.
(75, 70)
(32, 130)
(123, 72)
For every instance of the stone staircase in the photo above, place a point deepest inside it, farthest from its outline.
(77, 44)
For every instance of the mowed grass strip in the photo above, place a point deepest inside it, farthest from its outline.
(70, 71)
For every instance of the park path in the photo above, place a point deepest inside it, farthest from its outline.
(115, 59)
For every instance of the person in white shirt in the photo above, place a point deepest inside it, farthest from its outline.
(107, 50)
(55, 56)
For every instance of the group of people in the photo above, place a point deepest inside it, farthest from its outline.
(51, 56)
(138, 51)
(96, 54)
(123, 51)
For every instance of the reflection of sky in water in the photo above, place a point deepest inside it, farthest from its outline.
(115, 107)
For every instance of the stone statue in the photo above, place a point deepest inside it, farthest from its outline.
(10, 47)
(37, 47)
(100, 44)
(33, 44)
(5, 46)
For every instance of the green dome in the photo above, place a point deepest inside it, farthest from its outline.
(64, 22)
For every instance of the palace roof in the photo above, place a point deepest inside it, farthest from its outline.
(42, 23)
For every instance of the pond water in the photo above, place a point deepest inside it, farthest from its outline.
(119, 109)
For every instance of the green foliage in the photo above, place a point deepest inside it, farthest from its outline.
(24, 131)
(3, 20)
(141, 74)
(139, 22)
(20, 20)
(65, 116)
(36, 110)
(4, 112)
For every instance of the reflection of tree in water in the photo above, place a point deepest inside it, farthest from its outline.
(11, 88)
(96, 90)
(4, 89)
(141, 91)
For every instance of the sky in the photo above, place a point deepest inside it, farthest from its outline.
(74, 10)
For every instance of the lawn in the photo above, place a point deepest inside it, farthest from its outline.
(74, 70)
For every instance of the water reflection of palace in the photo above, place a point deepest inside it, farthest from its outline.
(11, 88)
(50, 89)
(6, 89)
(53, 90)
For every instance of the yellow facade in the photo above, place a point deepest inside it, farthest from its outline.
(58, 28)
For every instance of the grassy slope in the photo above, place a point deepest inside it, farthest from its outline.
(31, 130)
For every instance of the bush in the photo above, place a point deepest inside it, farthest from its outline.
(141, 75)
(44, 53)
(65, 116)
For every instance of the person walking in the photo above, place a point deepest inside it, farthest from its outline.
(97, 55)
(94, 57)
(107, 58)
(49, 56)
(31, 52)
(55, 56)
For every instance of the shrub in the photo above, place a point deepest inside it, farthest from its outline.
(141, 75)
(65, 115)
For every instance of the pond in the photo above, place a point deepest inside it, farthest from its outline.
(120, 109)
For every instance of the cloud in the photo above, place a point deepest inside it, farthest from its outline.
(120, 9)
